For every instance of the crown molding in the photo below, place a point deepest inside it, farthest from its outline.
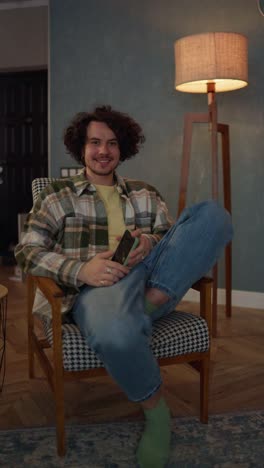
(12, 5)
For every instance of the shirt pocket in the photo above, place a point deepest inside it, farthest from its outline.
(76, 237)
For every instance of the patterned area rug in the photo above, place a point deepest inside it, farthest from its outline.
(227, 441)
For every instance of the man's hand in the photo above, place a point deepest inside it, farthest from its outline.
(101, 271)
(143, 249)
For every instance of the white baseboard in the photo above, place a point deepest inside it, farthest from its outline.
(253, 300)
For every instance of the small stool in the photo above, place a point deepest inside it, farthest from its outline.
(3, 315)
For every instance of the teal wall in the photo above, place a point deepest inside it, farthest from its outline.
(121, 52)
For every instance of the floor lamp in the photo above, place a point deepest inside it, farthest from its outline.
(210, 63)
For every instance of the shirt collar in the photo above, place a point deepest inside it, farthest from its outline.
(82, 183)
(121, 184)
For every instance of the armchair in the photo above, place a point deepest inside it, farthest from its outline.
(180, 337)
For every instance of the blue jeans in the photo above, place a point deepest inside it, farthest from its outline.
(113, 319)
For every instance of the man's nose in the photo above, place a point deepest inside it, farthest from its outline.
(103, 148)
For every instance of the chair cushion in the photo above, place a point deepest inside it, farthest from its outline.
(176, 334)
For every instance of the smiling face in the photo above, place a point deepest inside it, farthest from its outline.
(101, 153)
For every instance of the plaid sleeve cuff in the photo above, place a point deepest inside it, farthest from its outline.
(68, 273)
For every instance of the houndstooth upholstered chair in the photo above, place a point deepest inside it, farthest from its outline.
(180, 337)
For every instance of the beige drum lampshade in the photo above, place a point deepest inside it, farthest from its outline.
(219, 58)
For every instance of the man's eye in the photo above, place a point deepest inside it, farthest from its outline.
(113, 143)
(94, 142)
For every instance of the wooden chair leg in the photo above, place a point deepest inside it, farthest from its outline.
(204, 389)
(31, 359)
(214, 301)
(60, 416)
(228, 269)
(58, 374)
(30, 294)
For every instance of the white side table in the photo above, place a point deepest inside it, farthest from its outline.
(3, 316)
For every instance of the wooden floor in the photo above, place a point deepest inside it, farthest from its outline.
(237, 374)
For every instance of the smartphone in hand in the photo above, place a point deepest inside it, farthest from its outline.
(125, 246)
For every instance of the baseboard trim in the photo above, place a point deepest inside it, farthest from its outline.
(253, 300)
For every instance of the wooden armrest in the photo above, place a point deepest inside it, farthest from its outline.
(51, 291)
(48, 287)
(198, 285)
(53, 294)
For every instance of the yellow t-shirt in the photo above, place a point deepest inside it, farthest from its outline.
(113, 207)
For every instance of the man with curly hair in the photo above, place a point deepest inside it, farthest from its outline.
(71, 235)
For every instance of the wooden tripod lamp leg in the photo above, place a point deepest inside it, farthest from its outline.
(185, 166)
(224, 130)
(215, 193)
(189, 120)
(210, 117)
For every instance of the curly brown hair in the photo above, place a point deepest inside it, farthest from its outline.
(128, 132)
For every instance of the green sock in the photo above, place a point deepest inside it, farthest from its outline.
(154, 446)
(149, 307)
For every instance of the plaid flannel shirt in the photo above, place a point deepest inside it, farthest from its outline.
(67, 226)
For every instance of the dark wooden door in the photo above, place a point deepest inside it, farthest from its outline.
(23, 146)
